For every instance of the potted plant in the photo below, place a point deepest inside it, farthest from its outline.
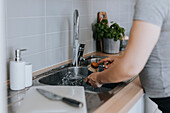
(110, 36)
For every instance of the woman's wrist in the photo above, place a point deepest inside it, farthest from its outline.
(105, 77)
(99, 78)
(102, 77)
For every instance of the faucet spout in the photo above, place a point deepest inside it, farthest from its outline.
(75, 38)
(76, 25)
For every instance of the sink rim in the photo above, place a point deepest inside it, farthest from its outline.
(36, 81)
(103, 89)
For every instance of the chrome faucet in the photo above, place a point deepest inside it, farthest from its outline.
(78, 49)
(75, 37)
(80, 53)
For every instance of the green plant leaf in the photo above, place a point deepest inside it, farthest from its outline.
(104, 21)
(98, 30)
(113, 35)
(98, 38)
(103, 30)
(102, 27)
(99, 25)
(107, 27)
(101, 34)
(96, 25)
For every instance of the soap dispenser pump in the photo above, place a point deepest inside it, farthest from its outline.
(17, 71)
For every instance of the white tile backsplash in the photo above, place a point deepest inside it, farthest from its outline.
(20, 27)
(57, 24)
(26, 8)
(88, 46)
(99, 6)
(45, 27)
(85, 35)
(64, 53)
(38, 60)
(57, 40)
(59, 7)
(53, 56)
(86, 22)
(53, 41)
(32, 44)
(85, 7)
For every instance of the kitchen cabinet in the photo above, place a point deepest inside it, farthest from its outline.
(145, 105)
(158, 111)
(139, 107)
(150, 106)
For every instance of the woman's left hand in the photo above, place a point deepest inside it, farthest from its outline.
(93, 80)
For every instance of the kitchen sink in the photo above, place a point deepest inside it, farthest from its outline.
(65, 76)
(74, 76)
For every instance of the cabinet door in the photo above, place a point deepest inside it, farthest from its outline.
(158, 111)
(145, 105)
(150, 106)
(138, 107)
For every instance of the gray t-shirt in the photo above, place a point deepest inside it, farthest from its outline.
(155, 77)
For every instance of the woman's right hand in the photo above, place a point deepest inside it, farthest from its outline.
(108, 61)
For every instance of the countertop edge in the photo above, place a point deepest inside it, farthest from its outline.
(124, 100)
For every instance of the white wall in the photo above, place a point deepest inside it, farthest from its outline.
(44, 27)
(3, 94)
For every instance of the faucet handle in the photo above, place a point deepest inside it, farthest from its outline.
(80, 52)
(81, 47)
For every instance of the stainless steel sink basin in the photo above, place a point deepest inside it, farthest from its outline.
(74, 76)
(94, 96)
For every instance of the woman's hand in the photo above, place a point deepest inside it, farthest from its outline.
(108, 61)
(93, 80)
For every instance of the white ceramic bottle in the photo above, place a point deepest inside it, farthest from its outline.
(17, 72)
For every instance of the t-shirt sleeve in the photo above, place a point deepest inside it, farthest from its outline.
(152, 11)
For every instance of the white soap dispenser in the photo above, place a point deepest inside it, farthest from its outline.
(17, 71)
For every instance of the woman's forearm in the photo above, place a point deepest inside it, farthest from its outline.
(118, 72)
(143, 38)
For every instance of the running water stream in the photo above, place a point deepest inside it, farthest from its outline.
(75, 77)
(77, 46)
